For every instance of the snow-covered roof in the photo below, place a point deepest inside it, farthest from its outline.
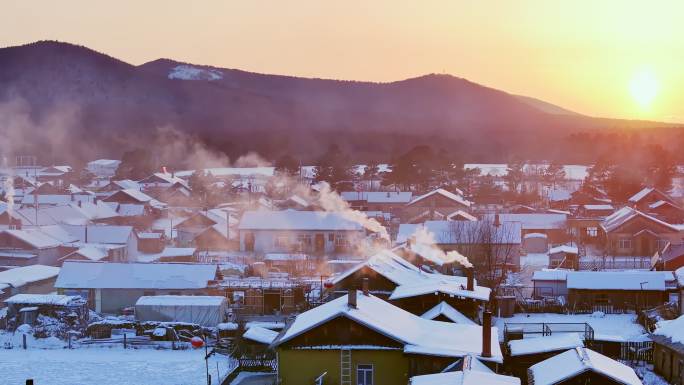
(465, 232)
(284, 257)
(261, 335)
(417, 334)
(466, 377)
(672, 329)
(41, 299)
(104, 234)
(92, 253)
(556, 342)
(563, 249)
(105, 163)
(181, 300)
(446, 194)
(34, 238)
(378, 196)
(232, 171)
(533, 221)
(550, 275)
(535, 235)
(20, 276)
(619, 280)
(296, 220)
(625, 214)
(99, 275)
(598, 207)
(577, 361)
(168, 252)
(451, 287)
(461, 215)
(641, 194)
(446, 310)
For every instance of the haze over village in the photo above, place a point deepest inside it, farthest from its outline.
(327, 194)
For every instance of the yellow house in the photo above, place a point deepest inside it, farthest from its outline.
(359, 339)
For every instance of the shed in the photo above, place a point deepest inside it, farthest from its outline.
(201, 310)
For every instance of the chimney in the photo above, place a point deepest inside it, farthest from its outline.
(86, 234)
(364, 286)
(351, 299)
(471, 279)
(497, 220)
(486, 334)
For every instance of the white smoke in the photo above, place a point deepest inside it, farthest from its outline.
(331, 201)
(423, 243)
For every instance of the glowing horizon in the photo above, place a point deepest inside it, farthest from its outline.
(585, 56)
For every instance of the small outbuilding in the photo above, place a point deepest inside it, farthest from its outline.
(200, 309)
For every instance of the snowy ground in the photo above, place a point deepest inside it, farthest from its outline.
(611, 326)
(108, 365)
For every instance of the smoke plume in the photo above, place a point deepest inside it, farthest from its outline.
(424, 244)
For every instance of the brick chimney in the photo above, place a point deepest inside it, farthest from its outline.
(364, 286)
(470, 274)
(351, 299)
(486, 334)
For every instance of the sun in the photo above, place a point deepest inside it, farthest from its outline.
(644, 88)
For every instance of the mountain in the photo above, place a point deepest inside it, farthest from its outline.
(60, 94)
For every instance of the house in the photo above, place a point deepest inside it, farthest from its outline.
(136, 197)
(476, 240)
(34, 279)
(161, 181)
(553, 225)
(361, 336)
(535, 243)
(564, 257)
(666, 211)
(208, 230)
(436, 204)
(387, 275)
(73, 213)
(117, 185)
(391, 202)
(646, 197)
(103, 168)
(32, 241)
(671, 257)
(110, 287)
(524, 353)
(550, 283)
(631, 232)
(121, 240)
(668, 350)
(312, 232)
(581, 366)
(619, 291)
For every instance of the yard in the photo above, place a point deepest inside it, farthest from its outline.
(52, 364)
(614, 327)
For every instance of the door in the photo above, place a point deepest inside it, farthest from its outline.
(319, 243)
(249, 242)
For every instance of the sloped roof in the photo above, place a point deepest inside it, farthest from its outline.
(461, 214)
(577, 361)
(105, 234)
(41, 299)
(446, 194)
(296, 220)
(446, 310)
(641, 194)
(100, 275)
(468, 232)
(466, 377)
(533, 221)
(34, 238)
(20, 276)
(619, 280)
(545, 344)
(378, 196)
(417, 334)
(626, 214)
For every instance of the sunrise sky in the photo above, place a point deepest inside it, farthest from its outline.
(614, 58)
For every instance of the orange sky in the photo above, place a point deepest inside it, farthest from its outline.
(578, 54)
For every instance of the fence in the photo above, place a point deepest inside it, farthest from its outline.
(520, 329)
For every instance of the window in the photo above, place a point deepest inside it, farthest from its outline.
(364, 374)
(282, 241)
(304, 241)
(341, 242)
(592, 232)
(331, 237)
(625, 243)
